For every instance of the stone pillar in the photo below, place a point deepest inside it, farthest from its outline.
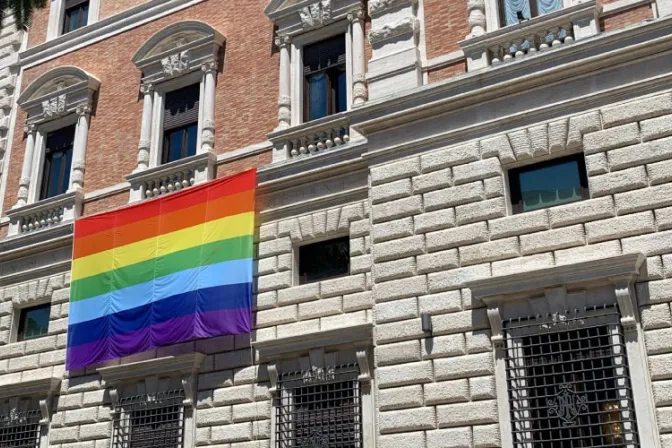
(476, 15)
(24, 182)
(208, 133)
(147, 91)
(79, 147)
(396, 63)
(359, 91)
(285, 91)
(664, 8)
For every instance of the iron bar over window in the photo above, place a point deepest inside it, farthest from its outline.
(180, 123)
(514, 11)
(325, 91)
(76, 15)
(150, 421)
(20, 429)
(568, 380)
(57, 162)
(319, 408)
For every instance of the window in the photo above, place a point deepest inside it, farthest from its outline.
(20, 429)
(57, 161)
(547, 184)
(180, 123)
(514, 11)
(76, 15)
(325, 92)
(323, 260)
(319, 408)
(568, 380)
(145, 421)
(33, 322)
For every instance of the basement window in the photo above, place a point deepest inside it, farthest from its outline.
(324, 260)
(547, 184)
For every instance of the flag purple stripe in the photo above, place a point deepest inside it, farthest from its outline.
(193, 326)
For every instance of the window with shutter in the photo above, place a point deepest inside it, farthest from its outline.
(57, 162)
(324, 70)
(180, 123)
(76, 15)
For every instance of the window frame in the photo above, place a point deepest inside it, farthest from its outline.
(297, 258)
(20, 326)
(296, 61)
(56, 24)
(46, 171)
(66, 18)
(332, 90)
(494, 11)
(513, 175)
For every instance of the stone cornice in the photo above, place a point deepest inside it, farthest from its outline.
(276, 348)
(601, 270)
(183, 364)
(38, 388)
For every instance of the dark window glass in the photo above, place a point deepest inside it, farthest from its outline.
(149, 421)
(547, 184)
(180, 123)
(76, 15)
(33, 322)
(326, 259)
(325, 88)
(513, 11)
(57, 161)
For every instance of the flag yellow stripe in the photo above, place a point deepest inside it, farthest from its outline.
(168, 243)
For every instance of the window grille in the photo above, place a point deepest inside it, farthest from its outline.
(20, 429)
(154, 420)
(568, 380)
(319, 409)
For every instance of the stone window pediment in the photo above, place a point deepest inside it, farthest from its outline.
(58, 92)
(178, 49)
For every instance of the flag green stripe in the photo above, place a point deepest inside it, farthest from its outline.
(224, 250)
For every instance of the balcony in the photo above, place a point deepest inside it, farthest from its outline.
(533, 36)
(174, 176)
(307, 139)
(45, 214)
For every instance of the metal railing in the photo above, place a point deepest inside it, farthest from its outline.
(20, 429)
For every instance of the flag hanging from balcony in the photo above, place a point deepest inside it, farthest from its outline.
(163, 271)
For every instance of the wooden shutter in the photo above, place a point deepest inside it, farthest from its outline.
(324, 54)
(181, 107)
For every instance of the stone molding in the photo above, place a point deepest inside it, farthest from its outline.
(176, 50)
(407, 25)
(316, 14)
(48, 213)
(47, 386)
(377, 7)
(279, 347)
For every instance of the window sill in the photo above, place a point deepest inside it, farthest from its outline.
(46, 214)
(531, 36)
(170, 177)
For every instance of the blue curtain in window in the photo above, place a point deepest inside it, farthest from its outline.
(511, 8)
(546, 6)
(317, 106)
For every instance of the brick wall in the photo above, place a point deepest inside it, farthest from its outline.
(246, 94)
(110, 7)
(448, 71)
(445, 25)
(626, 18)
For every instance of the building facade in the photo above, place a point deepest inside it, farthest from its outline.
(464, 216)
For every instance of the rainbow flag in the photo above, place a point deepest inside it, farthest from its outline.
(164, 271)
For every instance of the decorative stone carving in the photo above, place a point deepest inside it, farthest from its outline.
(495, 319)
(53, 107)
(407, 25)
(625, 295)
(364, 367)
(176, 64)
(377, 7)
(359, 91)
(315, 15)
(476, 15)
(273, 378)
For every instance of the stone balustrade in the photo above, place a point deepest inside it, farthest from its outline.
(532, 36)
(171, 177)
(48, 213)
(311, 138)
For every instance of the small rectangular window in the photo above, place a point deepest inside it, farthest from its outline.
(155, 420)
(319, 408)
(180, 123)
(33, 322)
(57, 162)
(323, 260)
(76, 15)
(514, 11)
(568, 380)
(20, 429)
(548, 184)
(324, 71)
